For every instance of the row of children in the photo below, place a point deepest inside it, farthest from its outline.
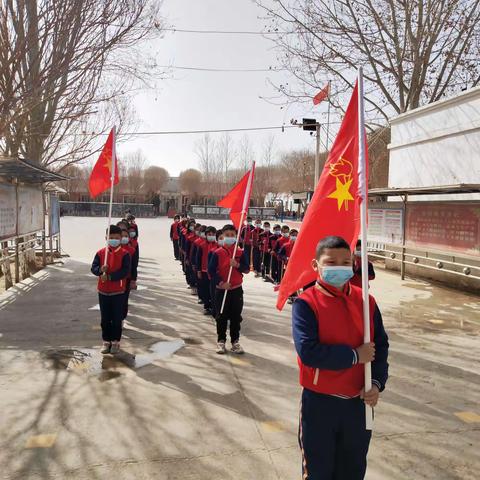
(327, 323)
(207, 255)
(116, 267)
(267, 250)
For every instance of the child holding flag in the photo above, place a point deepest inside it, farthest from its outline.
(218, 268)
(327, 322)
(111, 288)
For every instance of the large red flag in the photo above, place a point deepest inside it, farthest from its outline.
(101, 176)
(238, 198)
(335, 206)
(321, 95)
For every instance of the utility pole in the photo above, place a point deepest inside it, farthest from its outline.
(311, 125)
(317, 158)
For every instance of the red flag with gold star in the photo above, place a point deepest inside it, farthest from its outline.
(101, 176)
(335, 206)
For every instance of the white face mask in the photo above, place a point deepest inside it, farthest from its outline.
(211, 238)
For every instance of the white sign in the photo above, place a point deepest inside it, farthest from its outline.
(198, 210)
(30, 210)
(213, 210)
(385, 225)
(8, 211)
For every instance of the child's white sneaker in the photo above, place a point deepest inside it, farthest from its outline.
(106, 348)
(115, 348)
(221, 349)
(237, 348)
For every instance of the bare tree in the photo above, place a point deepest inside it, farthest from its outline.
(413, 52)
(246, 155)
(66, 69)
(133, 165)
(154, 178)
(204, 150)
(190, 181)
(226, 154)
(297, 170)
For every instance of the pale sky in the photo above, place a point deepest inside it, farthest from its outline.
(193, 100)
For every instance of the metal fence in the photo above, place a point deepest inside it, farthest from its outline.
(447, 267)
(22, 255)
(206, 211)
(100, 209)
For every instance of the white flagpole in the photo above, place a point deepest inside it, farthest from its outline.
(110, 207)
(363, 188)
(244, 212)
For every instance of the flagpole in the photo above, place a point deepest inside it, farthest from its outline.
(112, 180)
(244, 211)
(363, 188)
(328, 115)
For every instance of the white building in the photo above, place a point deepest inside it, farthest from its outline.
(438, 144)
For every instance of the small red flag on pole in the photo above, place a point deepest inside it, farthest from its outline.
(104, 176)
(105, 172)
(334, 208)
(238, 200)
(322, 94)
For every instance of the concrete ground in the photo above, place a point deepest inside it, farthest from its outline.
(66, 414)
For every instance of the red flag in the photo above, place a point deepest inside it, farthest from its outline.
(321, 95)
(238, 198)
(335, 206)
(101, 176)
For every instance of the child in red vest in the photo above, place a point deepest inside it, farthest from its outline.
(133, 233)
(284, 238)
(265, 239)
(246, 239)
(256, 245)
(174, 236)
(328, 334)
(111, 288)
(284, 255)
(207, 245)
(218, 268)
(126, 245)
(357, 267)
(274, 264)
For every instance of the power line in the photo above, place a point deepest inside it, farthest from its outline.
(188, 132)
(227, 32)
(233, 70)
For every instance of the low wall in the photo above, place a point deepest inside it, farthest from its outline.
(100, 209)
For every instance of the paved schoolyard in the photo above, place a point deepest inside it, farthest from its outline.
(68, 414)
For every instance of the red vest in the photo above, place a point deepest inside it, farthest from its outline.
(224, 255)
(114, 263)
(274, 239)
(207, 247)
(131, 251)
(265, 241)
(256, 236)
(246, 234)
(340, 322)
(288, 247)
(174, 230)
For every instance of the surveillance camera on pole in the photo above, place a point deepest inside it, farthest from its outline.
(311, 125)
